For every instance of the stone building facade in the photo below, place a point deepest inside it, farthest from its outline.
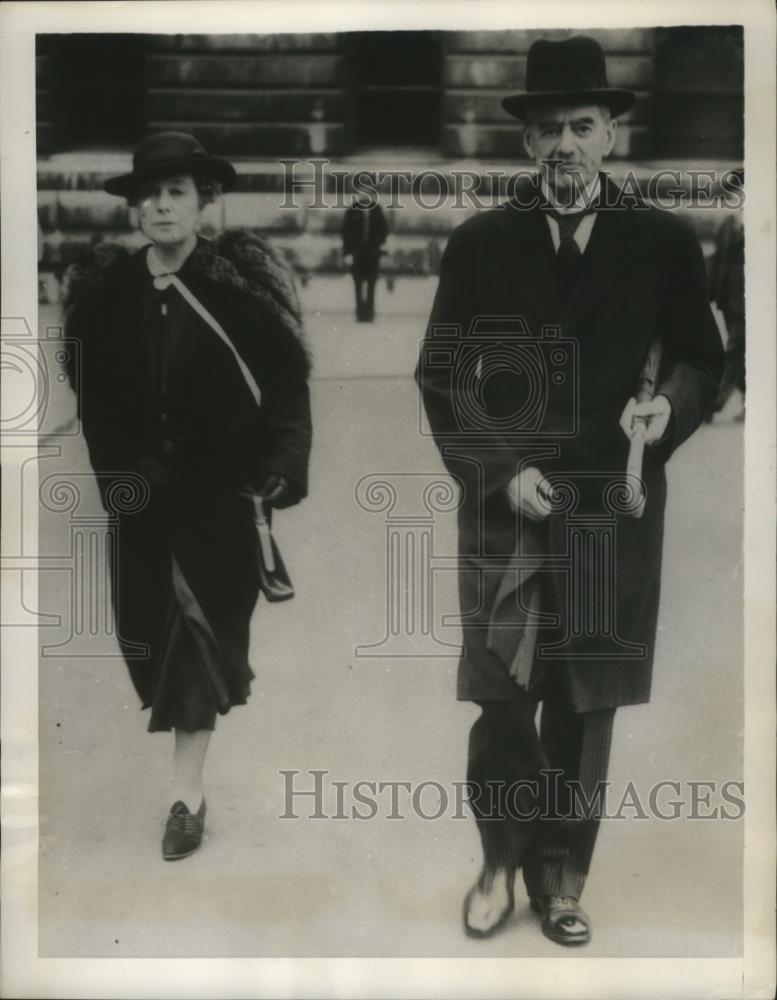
(424, 99)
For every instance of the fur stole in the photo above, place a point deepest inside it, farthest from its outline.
(237, 261)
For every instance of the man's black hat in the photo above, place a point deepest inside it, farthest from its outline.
(571, 71)
(166, 154)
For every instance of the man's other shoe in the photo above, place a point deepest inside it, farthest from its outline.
(563, 919)
(489, 903)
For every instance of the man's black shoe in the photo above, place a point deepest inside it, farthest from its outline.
(563, 919)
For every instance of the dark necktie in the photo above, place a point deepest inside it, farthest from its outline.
(568, 256)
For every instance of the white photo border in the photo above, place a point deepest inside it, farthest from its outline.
(26, 975)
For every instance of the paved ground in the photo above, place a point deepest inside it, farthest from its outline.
(381, 887)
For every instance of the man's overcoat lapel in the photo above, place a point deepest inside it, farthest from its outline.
(528, 256)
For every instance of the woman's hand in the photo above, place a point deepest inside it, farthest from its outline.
(275, 491)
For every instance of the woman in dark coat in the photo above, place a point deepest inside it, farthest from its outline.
(193, 396)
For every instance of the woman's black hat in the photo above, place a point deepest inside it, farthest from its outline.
(570, 71)
(166, 154)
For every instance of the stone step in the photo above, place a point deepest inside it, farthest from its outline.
(486, 106)
(74, 213)
(508, 70)
(293, 69)
(428, 211)
(623, 40)
(505, 140)
(188, 104)
(87, 171)
(260, 138)
(310, 138)
(247, 43)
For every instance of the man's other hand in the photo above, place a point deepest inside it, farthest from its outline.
(529, 493)
(655, 414)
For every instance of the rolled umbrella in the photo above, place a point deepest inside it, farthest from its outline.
(645, 391)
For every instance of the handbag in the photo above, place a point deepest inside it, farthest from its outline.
(274, 581)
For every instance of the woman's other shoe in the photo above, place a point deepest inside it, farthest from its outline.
(183, 831)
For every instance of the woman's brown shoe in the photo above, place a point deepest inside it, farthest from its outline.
(183, 831)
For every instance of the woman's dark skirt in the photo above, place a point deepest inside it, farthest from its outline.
(184, 586)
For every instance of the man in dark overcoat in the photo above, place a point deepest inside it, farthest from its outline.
(364, 233)
(546, 311)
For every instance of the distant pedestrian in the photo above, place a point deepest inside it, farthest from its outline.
(364, 233)
(193, 383)
(727, 291)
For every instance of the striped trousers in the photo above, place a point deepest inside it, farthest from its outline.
(534, 794)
